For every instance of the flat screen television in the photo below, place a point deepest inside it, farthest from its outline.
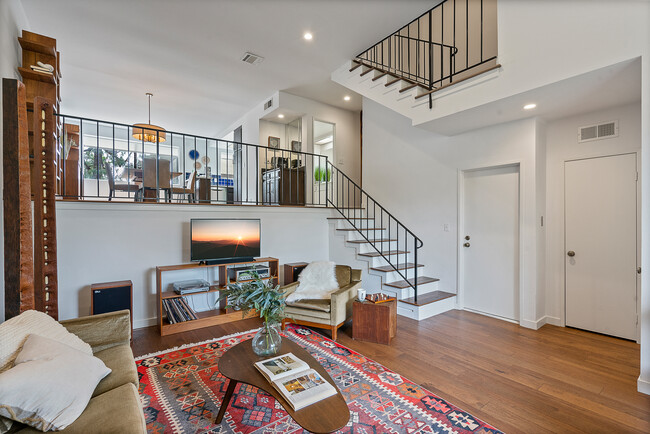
(224, 240)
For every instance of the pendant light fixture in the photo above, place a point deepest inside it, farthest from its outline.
(148, 132)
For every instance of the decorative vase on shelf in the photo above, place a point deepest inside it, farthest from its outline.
(267, 340)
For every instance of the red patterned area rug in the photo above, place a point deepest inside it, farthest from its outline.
(181, 391)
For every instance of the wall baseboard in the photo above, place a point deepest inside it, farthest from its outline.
(643, 386)
(147, 322)
(536, 325)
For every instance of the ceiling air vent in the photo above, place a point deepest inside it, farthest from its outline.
(268, 104)
(599, 131)
(251, 58)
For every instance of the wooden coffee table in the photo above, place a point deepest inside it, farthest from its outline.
(237, 364)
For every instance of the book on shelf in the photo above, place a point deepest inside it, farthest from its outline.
(300, 385)
(177, 310)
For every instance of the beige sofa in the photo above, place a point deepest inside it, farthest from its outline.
(330, 314)
(115, 406)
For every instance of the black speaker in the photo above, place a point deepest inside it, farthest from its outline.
(111, 297)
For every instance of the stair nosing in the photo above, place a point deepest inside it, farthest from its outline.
(412, 303)
(409, 266)
(395, 283)
(380, 240)
(379, 255)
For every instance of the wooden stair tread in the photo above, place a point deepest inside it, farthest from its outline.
(361, 229)
(377, 240)
(429, 297)
(370, 68)
(386, 253)
(355, 66)
(401, 284)
(379, 76)
(393, 81)
(409, 87)
(389, 268)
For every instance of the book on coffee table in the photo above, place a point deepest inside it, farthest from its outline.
(295, 380)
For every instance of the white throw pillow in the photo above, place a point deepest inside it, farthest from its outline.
(317, 281)
(50, 385)
(14, 332)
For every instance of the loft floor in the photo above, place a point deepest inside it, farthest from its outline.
(551, 380)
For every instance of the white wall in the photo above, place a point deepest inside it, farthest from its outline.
(562, 145)
(347, 139)
(102, 242)
(414, 174)
(12, 22)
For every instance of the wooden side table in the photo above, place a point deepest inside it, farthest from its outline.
(374, 322)
(292, 270)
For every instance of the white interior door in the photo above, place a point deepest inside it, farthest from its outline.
(491, 254)
(600, 243)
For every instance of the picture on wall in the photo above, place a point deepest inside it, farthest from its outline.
(296, 146)
(274, 142)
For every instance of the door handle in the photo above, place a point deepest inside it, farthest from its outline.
(571, 253)
(466, 245)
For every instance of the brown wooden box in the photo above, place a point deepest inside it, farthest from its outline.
(374, 322)
(292, 270)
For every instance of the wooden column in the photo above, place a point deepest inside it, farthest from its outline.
(19, 271)
(45, 185)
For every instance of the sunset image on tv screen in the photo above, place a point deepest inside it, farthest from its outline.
(215, 239)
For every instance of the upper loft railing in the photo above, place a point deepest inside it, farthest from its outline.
(103, 161)
(454, 40)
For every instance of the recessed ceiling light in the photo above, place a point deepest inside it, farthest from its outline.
(281, 116)
(308, 36)
(346, 98)
(530, 106)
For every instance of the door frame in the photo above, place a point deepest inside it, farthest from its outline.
(461, 230)
(637, 155)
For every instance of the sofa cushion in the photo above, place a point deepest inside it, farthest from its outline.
(321, 305)
(50, 384)
(120, 360)
(314, 315)
(14, 332)
(116, 411)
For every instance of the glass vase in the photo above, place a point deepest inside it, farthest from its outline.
(267, 340)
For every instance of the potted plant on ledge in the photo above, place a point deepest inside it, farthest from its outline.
(266, 299)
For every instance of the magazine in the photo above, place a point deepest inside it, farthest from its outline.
(295, 380)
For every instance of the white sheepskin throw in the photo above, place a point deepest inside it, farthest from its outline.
(317, 281)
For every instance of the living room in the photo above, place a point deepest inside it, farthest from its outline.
(417, 162)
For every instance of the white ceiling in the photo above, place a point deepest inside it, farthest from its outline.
(611, 86)
(187, 53)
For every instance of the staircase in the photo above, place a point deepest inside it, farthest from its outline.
(455, 41)
(389, 249)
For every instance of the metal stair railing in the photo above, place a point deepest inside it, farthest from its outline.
(344, 195)
(435, 48)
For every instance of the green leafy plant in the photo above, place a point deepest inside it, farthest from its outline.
(256, 294)
(322, 175)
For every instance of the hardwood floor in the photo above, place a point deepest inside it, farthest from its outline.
(519, 380)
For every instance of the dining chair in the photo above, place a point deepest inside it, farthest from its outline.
(120, 186)
(163, 182)
(189, 189)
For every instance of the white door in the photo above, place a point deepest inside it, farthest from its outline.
(490, 242)
(600, 244)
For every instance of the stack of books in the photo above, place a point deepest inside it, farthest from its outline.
(44, 68)
(177, 310)
(295, 380)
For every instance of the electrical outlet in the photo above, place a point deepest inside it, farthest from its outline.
(445, 227)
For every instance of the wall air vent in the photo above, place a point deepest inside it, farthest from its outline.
(251, 58)
(603, 130)
(268, 104)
